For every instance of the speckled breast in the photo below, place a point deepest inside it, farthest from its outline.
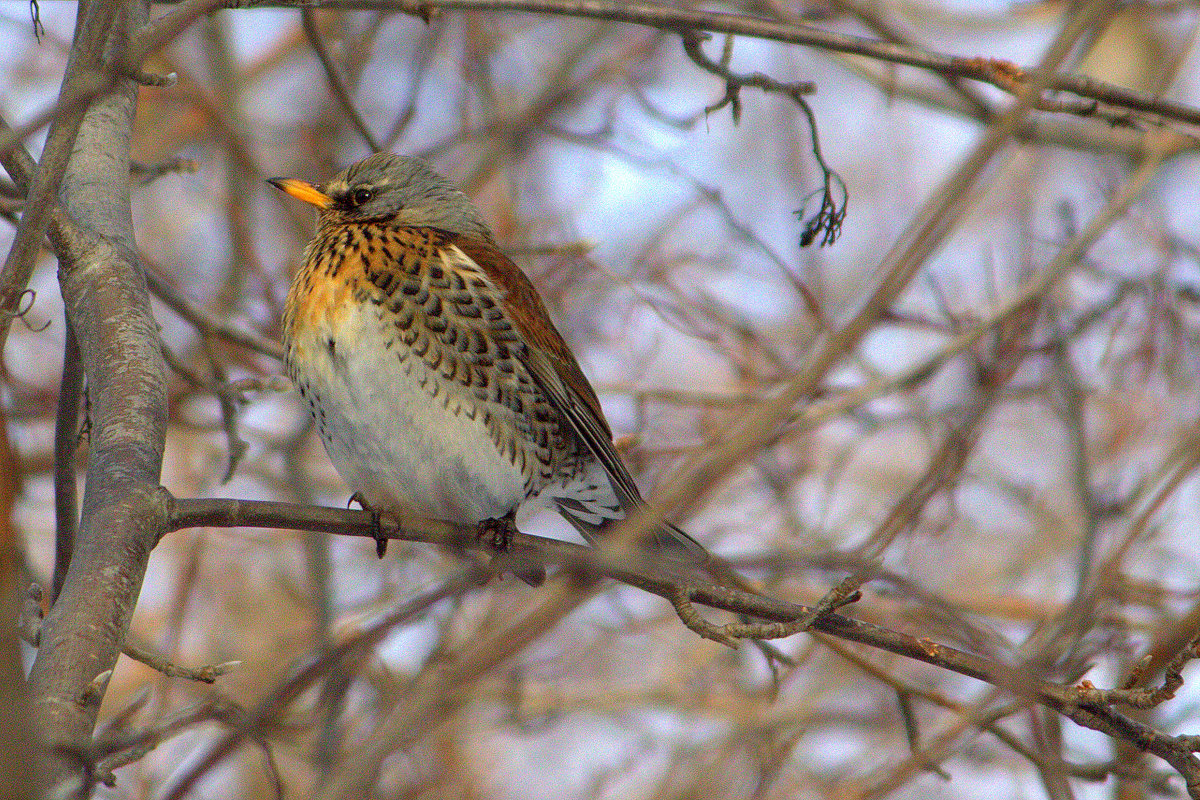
(413, 374)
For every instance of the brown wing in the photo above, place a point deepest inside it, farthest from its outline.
(525, 308)
(553, 367)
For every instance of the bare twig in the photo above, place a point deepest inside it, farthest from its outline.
(1073, 702)
(996, 72)
(205, 674)
(66, 443)
(831, 213)
(31, 632)
(1145, 697)
(336, 84)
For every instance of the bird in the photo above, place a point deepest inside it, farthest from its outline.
(434, 375)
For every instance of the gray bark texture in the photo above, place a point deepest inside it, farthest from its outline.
(108, 309)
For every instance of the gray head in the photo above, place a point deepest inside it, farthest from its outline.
(395, 188)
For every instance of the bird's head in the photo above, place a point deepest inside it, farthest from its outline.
(394, 189)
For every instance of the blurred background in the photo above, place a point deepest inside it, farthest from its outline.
(1058, 534)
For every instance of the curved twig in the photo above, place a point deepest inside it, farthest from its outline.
(1082, 704)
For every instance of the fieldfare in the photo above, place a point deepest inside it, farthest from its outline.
(436, 380)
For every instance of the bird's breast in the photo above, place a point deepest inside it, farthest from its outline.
(416, 383)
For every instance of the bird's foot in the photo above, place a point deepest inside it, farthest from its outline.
(497, 533)
(381, 542)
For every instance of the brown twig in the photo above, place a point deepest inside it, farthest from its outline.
(1076, 703)
(205, 674)
(996, 72)
(334, 78)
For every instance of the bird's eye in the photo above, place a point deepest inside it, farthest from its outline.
(360, 196)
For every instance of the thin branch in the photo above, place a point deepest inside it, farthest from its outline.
(1076, 703)
(66, 443)
(208, 323)
(338, 86)
(1146, 697)
(996, 72)
(827, 221)
(30, 629)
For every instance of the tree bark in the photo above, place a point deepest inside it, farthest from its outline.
(108, 308)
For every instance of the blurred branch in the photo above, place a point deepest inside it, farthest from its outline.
(66, 444)
(1034, 288)
(228, 396)
(117, 747)
(1075, 133)
(1082, 704)
(263, 719)
(943, 471)
(208, 323)
(888, 30)
(994, 71)
(338, 86)
(145, 174)
(22, 764)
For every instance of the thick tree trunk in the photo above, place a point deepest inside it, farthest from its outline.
(109, 310)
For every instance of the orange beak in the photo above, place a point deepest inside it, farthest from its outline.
(302, 190)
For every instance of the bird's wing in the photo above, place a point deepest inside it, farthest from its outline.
(523, 305)
(554, 368)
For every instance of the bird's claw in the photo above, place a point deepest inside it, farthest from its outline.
(497, 533)
(381, 541)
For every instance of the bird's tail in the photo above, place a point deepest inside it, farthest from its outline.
(675, 547)
(594, 521)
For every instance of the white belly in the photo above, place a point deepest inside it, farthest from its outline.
(389, 439)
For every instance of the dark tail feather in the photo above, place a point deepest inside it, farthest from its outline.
(673, 542)
(666, 540)
(676, 547)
